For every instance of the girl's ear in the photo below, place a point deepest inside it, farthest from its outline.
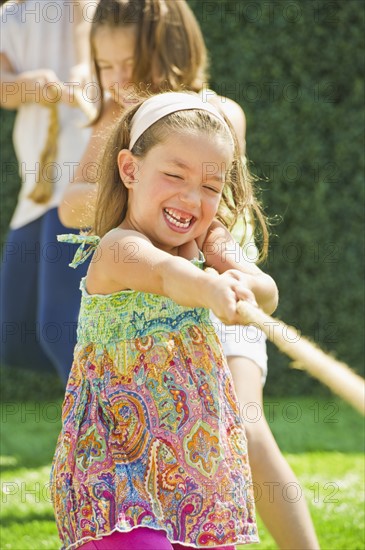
(128, 168)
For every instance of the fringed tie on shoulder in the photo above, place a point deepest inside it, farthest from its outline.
(199, 262)
(82, 253)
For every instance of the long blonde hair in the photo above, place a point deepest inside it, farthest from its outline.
(238, 200)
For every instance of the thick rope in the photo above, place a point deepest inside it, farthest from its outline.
(334, 374)
(43, 189)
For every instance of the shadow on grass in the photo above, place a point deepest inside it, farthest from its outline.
(26, 517)
(30, 417)
(22, 385)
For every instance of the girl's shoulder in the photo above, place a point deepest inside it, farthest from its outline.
(119, 245)
(112, 111)
(235, 114)
(121, 233)
(115, 248)
(110, 114)
(225, 104)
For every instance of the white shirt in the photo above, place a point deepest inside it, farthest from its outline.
(39, 35)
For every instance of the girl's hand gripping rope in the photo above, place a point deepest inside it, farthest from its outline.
(228, 289)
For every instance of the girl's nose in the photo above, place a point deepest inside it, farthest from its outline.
(123, 76)
(190, 197)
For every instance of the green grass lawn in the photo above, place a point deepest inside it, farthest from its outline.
(323, 441)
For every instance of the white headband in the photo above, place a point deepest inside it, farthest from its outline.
(158, 106)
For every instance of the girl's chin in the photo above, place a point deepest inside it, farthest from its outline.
(126, 101)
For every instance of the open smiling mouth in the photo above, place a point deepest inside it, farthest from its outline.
(178, 220)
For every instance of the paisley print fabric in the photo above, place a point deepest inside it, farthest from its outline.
(151, 431)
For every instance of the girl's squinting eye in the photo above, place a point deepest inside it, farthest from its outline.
(214, 189)
(174, 176)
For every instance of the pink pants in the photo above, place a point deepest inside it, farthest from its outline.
(141, 538)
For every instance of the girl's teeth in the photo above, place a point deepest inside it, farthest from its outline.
(175, 215)
(173, 220)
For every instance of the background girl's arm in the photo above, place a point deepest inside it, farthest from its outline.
(128, 260)
(78, 204)
(223, 253)
(40, 86)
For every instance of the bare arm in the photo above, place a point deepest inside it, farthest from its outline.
(40, 86)
(78, 205)
(128, 260)
(223, 253)
(79, 200)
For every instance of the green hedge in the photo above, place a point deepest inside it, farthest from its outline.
(296, 69)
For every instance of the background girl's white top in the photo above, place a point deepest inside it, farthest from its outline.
(39, 35)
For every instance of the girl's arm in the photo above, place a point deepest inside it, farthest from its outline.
(40, 86)
(223, 253)
(78, 204)
(128, 260)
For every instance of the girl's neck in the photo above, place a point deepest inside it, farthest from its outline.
(112, 105)
(189, 250)
(111, 111)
